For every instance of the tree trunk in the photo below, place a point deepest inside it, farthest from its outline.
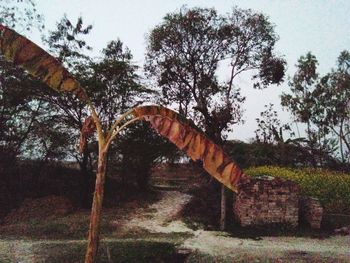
(223, 209)
(216, 136)
(86, 177)
(95, 218)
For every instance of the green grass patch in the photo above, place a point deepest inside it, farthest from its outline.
(110, 251)
(331, 188)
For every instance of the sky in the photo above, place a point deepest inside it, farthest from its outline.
(319, 26)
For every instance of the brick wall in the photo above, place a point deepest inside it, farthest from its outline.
(266, 200)
(311, 211)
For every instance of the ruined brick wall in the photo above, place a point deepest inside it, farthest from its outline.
(266, 200)
(311, 211)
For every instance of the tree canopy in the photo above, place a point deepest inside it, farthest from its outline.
(186, 50)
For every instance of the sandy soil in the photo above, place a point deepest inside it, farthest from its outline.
(162, 217)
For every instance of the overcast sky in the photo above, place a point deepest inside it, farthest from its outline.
(322, 27)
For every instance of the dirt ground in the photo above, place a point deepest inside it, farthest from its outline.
(160, 222)
(163, 218)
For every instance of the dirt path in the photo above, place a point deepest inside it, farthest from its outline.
(161, 217)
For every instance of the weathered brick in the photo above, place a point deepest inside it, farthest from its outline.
(266, 200)
(311, 211)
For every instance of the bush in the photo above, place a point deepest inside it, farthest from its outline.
(282, 154)
(331, 188)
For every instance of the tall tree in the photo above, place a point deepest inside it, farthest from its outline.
(300, 101)
(114, 87)
(331, 111)
(67, 42)
(114, 84)
(184, 54)
(111, 82)
(303, 102)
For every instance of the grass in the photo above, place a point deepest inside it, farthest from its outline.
(73, 226)
(247, 257)
(112, 250)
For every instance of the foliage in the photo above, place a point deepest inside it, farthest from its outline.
(187, 137)
(15, 118)
(67, 41)
(140, 147)
(270, 130)
(20, 14)
(24, 53)
(331, 111)
(331, 188)
(184, 53)
(322, 103)
(113, 83)
(288, 154)
(300, 102)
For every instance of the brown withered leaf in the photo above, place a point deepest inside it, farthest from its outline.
(86, 132)
(24, 53)
(186, 136)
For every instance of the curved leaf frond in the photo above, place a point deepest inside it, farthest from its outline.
(24, 53)
(187, 137)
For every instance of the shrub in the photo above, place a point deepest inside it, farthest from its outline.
(331, 188)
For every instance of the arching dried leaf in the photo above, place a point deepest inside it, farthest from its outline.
(24, 53)
(186, 136)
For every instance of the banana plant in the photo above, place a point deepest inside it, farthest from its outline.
(180, 131)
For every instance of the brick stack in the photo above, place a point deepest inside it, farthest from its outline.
(266, 200)
(311, 211)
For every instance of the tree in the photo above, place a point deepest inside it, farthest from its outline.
(271, 143)
(111, 82)
(300, 102)
(114, 84)
(16, 120)
(168, 123)
(23, 119)
(331, 111)
(20, 14)
(67, 43)
(114, 87)
(140, 147)
(318, 102)
(186, 50)
(270, 130)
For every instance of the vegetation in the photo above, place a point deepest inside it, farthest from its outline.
(186, 53)
(24, 53)
(114, 250)
(331, 188)
(322, 103)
